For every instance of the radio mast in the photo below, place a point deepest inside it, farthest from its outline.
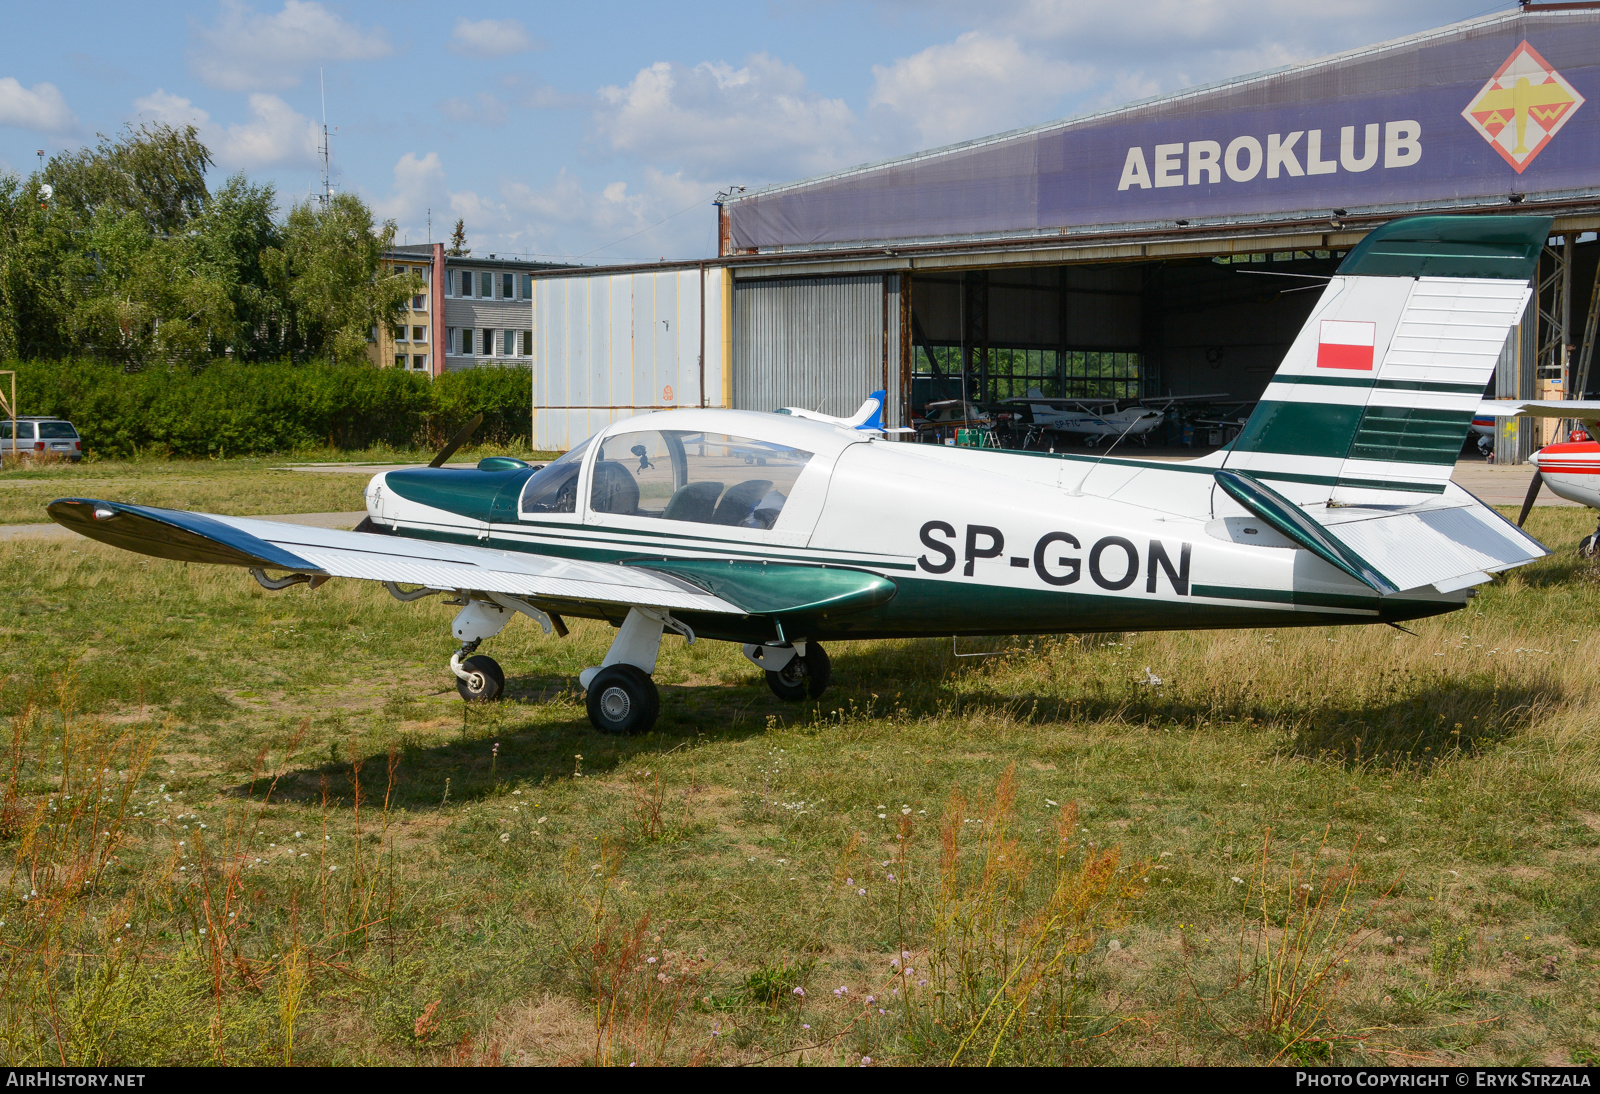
(327, 175)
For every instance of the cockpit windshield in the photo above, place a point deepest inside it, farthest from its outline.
(554, 488)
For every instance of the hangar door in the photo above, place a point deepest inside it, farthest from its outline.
(820, 343)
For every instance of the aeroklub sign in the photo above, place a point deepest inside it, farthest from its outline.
(1469, 115)
(1518, 111)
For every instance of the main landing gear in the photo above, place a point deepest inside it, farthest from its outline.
(620, 696)
(793, 672)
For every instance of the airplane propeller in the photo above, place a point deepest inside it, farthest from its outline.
(457, 441)
(1527, 502)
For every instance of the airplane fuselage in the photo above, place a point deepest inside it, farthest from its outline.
(973, 541)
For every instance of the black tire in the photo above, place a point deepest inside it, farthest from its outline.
(1589, 546)
(622, 700)
(802, 676)
(819, 670)
(487, 682)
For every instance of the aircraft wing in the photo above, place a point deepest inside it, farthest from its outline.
(1582, 409)
(318, 552)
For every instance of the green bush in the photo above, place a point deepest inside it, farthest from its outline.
(237, 409)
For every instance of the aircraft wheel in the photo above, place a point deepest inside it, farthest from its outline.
(1589, 546)
(622, 699)
(802, 676)
(485, 680)
(1090, 440)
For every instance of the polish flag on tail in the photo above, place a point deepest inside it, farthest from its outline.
(1346, 344)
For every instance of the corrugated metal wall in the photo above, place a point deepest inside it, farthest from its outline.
(821, 343)
(1516, 438)
(613, 345)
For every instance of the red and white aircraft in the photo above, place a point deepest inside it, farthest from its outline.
(1570, 468)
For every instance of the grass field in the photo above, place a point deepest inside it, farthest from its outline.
(240, 488)
(254, 827)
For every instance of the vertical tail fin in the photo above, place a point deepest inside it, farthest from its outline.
(1375, 398)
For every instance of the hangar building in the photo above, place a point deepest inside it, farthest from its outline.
(1168, 247)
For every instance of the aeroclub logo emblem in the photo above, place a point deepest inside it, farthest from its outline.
(1522, 106)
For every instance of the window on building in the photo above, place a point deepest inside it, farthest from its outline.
(466, 341)
(486, 285)
(399, 360)
(450, 340)
(698, 477)
(527, 286)
(466, 283)
(372, 334)
(510, 343)
(486, 343)
(1011, 372)
(527, 343)
(400, 335)
(419, 334)
(419, 362)
(419, 302)
(508, 285)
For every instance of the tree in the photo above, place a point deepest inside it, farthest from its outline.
(330, 282)
(156, 171)
(236, 229)
(458, 240)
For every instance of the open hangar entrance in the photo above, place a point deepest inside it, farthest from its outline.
(1185, 326)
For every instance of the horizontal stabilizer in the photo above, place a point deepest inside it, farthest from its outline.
(1450, 543)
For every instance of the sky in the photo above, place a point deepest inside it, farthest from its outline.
(600, 133)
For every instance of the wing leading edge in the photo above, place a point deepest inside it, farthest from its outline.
(240, 541)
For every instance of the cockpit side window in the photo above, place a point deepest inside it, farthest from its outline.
(702, 478)
(554, 488)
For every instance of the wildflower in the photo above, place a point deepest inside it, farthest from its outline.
(861, 892)
(801, 992)
(922, 983)
(841, 991)
(894, 963)
(891, 877)
(871, 999)
(505, 837)
(1237, 880)
(649, 961)
(331, 869)
(805, 1025)
(849, 881)
(905, 955)
(866, 1061)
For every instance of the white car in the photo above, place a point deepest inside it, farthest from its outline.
(38, 436)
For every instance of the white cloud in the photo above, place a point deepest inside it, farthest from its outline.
(490, 38)
(169, 109)
(246, 50)
(40, 108)
(277, 135)
(976, 85)
(758, 121)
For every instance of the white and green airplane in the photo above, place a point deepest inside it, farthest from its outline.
(784, 531)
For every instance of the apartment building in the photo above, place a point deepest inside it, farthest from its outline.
(488, 310)
(418, 346)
